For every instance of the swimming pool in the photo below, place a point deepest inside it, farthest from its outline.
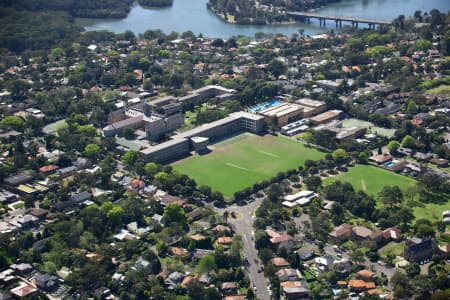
(389, 164)
(265, 105)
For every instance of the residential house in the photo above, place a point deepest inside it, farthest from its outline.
(279, 262)
(381, 158)
(23, 290)
(18, 179)
(441, 163)
(221, 230)
(48, 169)
(297, 293)
(39, 213)
(187, 280)
(179, 252)
(324, 263)
(361, 233)
(423, 156)
(377, 237)
(358, 285)
(142, 264)
(235, 297)
(46, 282)
(156, 219)
(341, 233)
(280, 240)
(288, 275)
(205, 279)
(195, 215)
(229, 288)
(81, 197)
(225, 241)
(64, 172)
(366, 275)
(392, 233)
(305, 254)
(102, 293)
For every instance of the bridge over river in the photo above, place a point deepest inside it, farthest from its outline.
(307, 16)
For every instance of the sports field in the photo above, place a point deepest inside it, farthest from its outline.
(372, 179)
(243, 160)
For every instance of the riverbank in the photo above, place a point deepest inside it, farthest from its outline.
(230, 19)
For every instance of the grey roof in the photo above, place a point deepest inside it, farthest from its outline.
(17, 179)
(81, 196)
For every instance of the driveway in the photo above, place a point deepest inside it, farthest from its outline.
(243, 225)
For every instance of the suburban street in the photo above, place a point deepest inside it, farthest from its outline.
(243, 225)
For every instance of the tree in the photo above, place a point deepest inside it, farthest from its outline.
(261, 239)
(408, 142)
(313, 182)
(412, 270)
(306, 136)
(412, 108)
(115, 215)
(174, 213)
(362, 158)
(161, 248)
(195, 290)
(130, 158)
(357, 256)
(207, 264)
(225, 216)
(340, 156)
(393, 147)
(128, 133)
(151, 169)
(424, 230)
(276, 67)
(250, 293)
(338, 213)
(391, 196)
(405, 216)
(14, 122)
(211, 293)
(265, 254)
(92, 151)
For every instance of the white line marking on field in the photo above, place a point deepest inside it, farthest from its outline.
(268, 153)
(235, 166)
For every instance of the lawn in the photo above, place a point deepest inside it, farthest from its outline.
(442, 90)
(431, 211)
(392, 248)
(372, 179)
(243, 160)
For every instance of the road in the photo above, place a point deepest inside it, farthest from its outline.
(377, 268)
(243, 225)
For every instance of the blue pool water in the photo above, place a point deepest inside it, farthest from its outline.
(265, 105)
(389, 164)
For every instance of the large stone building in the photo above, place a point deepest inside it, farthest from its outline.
(181, 144)
(284, 113)
(156, 118)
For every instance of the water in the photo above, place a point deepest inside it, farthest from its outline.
(193, 15)
(265, 105)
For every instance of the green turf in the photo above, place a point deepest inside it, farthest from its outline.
(392, 248)
(442, 90)
(241, 161)
(431, 211)
(372, 179)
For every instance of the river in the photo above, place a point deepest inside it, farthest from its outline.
(193, 15)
